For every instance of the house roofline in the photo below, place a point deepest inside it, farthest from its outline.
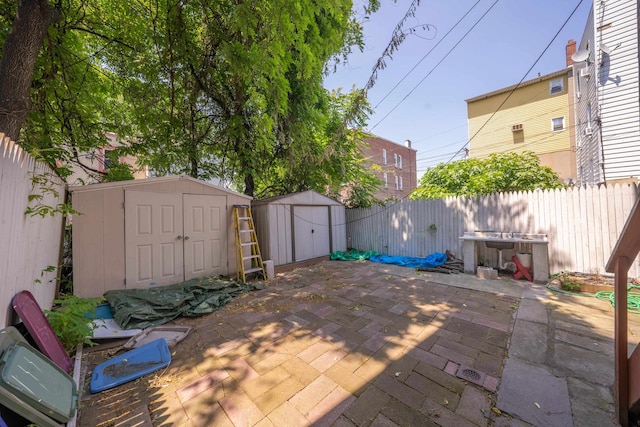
(372, 136)
(523, 84)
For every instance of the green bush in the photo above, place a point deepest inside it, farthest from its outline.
(69, 321)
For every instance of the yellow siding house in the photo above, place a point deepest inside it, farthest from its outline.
(533, 116)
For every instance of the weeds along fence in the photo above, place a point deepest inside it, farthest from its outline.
(582, 224)
(30, 237)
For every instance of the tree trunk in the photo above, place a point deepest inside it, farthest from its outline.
(249, 184)
(18, 60)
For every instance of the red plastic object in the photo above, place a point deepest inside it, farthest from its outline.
(36, 323)
(522, 271)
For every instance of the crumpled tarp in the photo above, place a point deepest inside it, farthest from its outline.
(430, 261)
(142, 308)
(352, 255)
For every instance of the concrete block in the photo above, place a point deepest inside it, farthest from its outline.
(269, 269)
(487, 273)
(533, 394)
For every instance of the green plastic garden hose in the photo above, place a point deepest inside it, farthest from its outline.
(633, 297)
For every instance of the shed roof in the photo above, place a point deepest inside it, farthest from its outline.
(151, 181)
(308, 197)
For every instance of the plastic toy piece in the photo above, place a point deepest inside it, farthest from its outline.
(522, 271)
(130, 365)
(38, 326)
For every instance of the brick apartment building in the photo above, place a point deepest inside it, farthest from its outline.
(394, 164)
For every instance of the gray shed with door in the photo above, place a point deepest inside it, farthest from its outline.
(152, 232)
(299, 226)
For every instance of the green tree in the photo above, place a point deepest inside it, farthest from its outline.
(498, 173)
(231, 90)
(221, 89)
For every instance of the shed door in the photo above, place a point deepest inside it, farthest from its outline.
(205, 244)
(311, 230)
(153, 239)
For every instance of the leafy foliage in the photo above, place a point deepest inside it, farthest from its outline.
(69, 322)
(504, 172)
(219, 89)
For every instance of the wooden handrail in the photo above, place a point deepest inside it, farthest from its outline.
(627, 381)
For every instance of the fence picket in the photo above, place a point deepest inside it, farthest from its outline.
(29, 245)
(583, 224)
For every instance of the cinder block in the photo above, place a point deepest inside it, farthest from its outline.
(487, 273)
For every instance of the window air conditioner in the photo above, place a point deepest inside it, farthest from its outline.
(588, 131)
(585, 73)
(516, 128)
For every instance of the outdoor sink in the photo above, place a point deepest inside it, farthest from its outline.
(499, 245)
(487, 235)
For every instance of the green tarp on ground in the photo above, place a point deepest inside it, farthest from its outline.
(142, 308)
(352, 255)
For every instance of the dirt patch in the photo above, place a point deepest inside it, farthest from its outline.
(584, 282)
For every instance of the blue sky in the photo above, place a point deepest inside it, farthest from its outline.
(495, 54)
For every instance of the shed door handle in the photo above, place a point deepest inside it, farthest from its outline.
(179, 237)
(186, 237)
(312, 231)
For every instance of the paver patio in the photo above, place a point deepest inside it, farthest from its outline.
(364, 344)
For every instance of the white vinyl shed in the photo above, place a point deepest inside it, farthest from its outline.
(151, 232)
(300, 226)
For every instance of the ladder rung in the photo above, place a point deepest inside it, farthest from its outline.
(249, 244)
(247, 231)
(250, 257)
(252, 270)
(244, 217)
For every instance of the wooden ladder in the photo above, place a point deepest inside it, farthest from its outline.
(246, 238)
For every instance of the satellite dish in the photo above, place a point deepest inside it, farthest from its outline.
(580, 55)
(604, 48)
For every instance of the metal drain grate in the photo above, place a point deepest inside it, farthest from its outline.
(471, 375)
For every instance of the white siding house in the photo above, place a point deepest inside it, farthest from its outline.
(607, 106)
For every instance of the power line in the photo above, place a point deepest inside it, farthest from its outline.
(436, 66)
(385, 208)
(425, 56)
(522, 79)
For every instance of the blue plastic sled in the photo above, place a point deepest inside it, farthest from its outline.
(130, 365)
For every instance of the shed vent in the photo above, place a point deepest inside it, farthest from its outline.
(516, 128)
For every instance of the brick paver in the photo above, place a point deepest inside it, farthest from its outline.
(338, 343)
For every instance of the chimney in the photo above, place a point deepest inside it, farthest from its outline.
(571, 49)
(407, 143)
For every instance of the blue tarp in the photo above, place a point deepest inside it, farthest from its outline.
(430, 261)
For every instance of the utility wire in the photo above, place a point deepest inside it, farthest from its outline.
(521, 80)
(436, 66)
(425, 56)
(501, 105)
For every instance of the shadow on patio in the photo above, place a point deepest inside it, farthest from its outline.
(338, 343)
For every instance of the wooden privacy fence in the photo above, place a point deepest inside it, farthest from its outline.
(582, 224)
(29, 244)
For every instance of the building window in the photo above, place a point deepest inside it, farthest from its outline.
(107, 162)
(386, 181)
(401, 183)
(397, 184)
(395, 159)
(400, 161)
(589, 116)
(556, 86)
(384, 156)
(557, 124)
(577, 79)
